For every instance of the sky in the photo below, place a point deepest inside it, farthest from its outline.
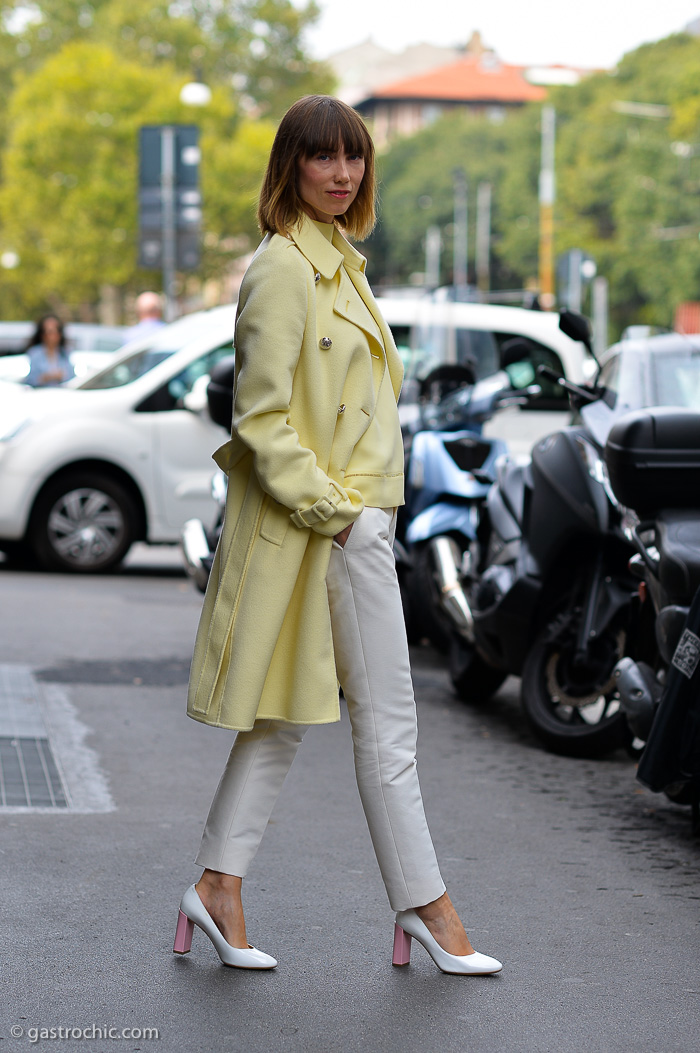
(592, 34)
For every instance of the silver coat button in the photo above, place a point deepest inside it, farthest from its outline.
(326, 342)
(341, 409)
(317, 277)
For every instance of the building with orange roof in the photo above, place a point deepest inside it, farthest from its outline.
(479, 81)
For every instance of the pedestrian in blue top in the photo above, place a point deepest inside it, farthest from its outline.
(49, 361)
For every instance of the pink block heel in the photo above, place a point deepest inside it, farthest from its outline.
(402, 946)
(183, 934)
(408, 925)
(193, 912)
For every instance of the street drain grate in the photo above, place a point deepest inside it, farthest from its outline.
(45, 764)
(28, 774)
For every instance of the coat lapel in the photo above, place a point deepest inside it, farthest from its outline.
(326, 258)
(355, 308)
(393, 358)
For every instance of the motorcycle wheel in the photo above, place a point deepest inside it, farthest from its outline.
(574, 710)
(473, 680)
(429, 619)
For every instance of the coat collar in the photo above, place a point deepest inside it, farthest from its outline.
(325, 256)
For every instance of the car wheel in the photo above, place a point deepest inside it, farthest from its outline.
(83, 522)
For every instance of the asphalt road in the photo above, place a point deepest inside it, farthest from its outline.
(585, 885)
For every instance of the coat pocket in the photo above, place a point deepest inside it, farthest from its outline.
(275, 522)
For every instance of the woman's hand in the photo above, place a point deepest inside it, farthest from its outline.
(342, 537)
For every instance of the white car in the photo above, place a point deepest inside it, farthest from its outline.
(124, 455)
(431, 330)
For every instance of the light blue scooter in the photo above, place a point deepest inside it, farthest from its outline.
(450, 469)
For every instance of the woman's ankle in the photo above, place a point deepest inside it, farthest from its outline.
(441, 907)
(221, 896)
(218, 882)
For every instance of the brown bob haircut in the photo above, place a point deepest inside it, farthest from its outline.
(313, 124)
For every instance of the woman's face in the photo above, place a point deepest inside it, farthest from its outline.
(51, 333)
(328, 182)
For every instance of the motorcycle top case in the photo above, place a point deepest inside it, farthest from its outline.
(653, 459)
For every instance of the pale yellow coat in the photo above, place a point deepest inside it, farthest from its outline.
(303, 398)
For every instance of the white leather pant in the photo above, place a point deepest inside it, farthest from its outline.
(372, 663)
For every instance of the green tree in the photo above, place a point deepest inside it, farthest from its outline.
(81, 78)
(253, 45)
(627, 194)
(68, 203)
(416, 192)
(628, 182)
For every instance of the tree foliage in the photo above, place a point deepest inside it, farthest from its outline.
(81, 78)
(69, 198)
(628, 177)
(254, 44)
(628, 186)
(416, 192)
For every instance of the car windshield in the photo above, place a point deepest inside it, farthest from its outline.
(472, 347)
(167, 341)
(675, 379)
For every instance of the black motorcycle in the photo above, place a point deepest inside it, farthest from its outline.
(547, 592)
(653, 460)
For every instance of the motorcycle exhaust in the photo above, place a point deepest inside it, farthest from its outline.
(640, 694)
(452, 597)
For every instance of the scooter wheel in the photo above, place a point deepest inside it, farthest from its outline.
(473, 680)
(573, 710)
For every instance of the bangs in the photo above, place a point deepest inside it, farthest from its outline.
(330, 127)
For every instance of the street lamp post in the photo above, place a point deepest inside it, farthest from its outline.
(483, 236)
(547, 195)
(169, 233)
(433, 245)
(459, 268)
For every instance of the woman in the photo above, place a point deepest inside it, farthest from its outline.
(49, 363)
(303, 585)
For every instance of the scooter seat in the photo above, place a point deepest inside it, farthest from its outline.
(678, 544)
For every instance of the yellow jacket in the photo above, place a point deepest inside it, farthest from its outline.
(303, 398)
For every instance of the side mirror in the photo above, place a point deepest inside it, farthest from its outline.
(195, 401)
(576, 326)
